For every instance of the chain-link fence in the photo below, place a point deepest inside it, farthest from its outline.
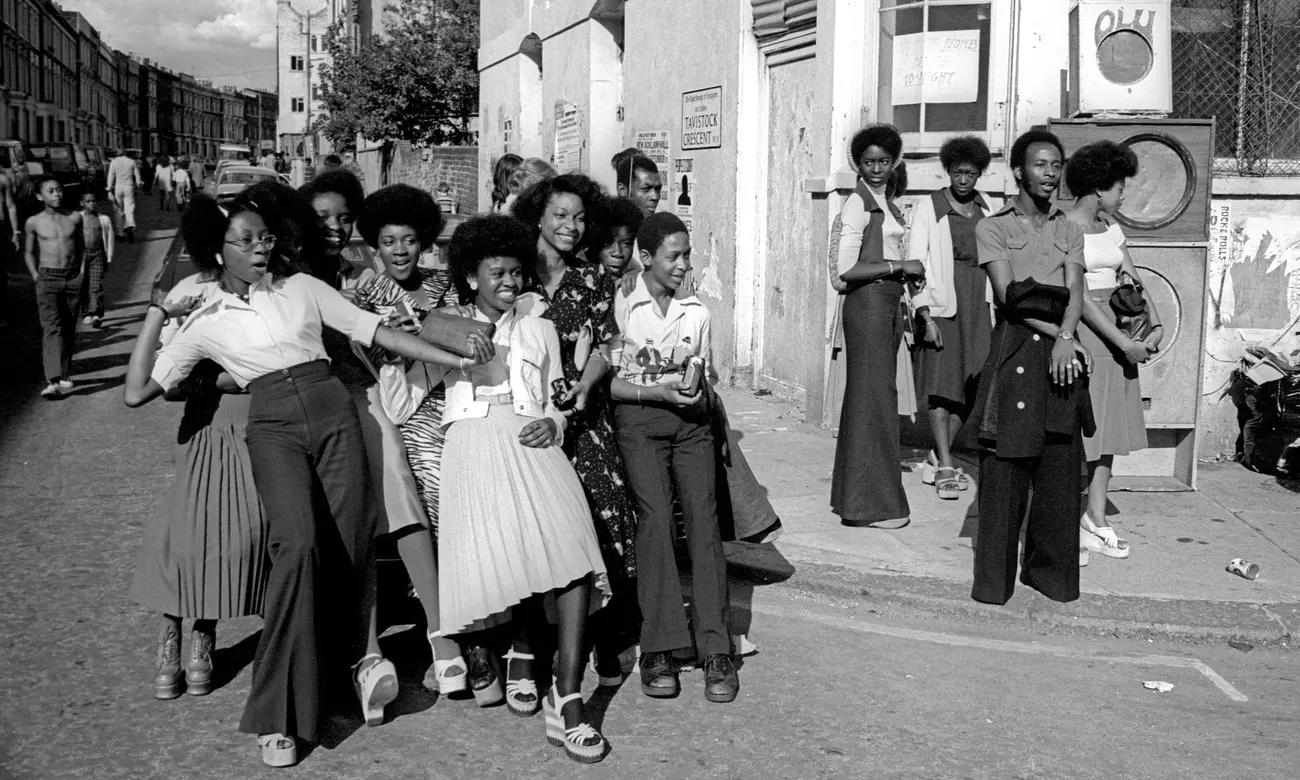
(1239, 61)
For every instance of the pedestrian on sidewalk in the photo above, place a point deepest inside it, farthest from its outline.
(55, 258)
(198, 173)
(181, 183)
(1032, 409)
(99, 248)
(205, 556)
(1096, 176)
(867, 484)
(639, 178)
(516, 537)
(123, 182)
(531, 171)
(666, 434)
(954, 303)
(162, 182)
(308, 456)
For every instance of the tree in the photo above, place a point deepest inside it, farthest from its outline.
(417, 83)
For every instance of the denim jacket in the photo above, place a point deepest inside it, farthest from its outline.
(531, 349)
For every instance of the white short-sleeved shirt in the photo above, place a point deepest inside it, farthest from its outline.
(1103, 254)
(278, 327)
(652, 346)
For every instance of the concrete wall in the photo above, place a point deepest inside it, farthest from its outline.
(1253, 297)
(674, 46)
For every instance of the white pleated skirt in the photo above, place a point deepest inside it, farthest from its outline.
(513, 523)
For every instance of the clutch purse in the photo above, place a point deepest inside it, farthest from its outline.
(452, 332)
(1130, 306)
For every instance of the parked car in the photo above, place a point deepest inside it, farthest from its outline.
(97, 162)
(66, 162)
(234, 179)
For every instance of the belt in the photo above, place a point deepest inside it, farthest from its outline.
(313, 368)
(503, 399)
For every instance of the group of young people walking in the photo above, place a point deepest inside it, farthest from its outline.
(1016, 339)
(521, 413)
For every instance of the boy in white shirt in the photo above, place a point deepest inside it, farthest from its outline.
(666, 438)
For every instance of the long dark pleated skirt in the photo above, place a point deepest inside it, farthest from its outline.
(867, 484)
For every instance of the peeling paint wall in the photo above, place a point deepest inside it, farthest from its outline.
(1253, 298)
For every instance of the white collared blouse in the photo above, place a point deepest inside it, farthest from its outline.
(278, 327)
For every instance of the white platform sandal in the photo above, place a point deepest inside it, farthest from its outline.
(522, 698)
(376, 686)
(278, 750)
(582, 743)
(1101, 539)
(450, 676)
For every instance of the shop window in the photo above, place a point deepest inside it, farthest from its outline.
(934, 74)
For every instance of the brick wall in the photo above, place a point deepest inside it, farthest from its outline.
(428, 167)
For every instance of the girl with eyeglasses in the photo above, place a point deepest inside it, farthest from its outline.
(305, 444)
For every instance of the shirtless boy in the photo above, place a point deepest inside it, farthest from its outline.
(55, 255)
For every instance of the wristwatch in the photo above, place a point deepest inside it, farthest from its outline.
(1065, 335)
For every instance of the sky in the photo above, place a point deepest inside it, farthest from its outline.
(227, 41)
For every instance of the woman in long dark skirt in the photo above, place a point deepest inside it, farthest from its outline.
(867, 487)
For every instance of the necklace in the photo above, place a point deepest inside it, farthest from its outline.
(964, 209)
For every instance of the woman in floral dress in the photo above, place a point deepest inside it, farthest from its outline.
(580, 301)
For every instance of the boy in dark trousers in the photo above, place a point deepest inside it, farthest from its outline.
(55, 255)
(665, 436)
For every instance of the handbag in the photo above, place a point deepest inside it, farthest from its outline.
(451, 332)
(1132, 315)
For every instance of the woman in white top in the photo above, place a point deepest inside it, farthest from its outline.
(515, 530)
(867, 485)
(305, 443)
(1096, 176)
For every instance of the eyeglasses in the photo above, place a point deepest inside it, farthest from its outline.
(246, 244)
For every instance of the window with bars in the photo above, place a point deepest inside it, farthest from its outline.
(1239, 62)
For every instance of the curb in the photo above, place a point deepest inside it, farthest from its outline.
(1179, 621)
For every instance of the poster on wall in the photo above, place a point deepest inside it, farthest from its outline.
(654, 144)
(568, 137)
(684, 185)
(702, 119)
(939, 66)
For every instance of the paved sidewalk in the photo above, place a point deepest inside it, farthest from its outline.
(1173, 585)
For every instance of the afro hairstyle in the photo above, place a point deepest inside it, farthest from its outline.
(532, 202)
(884, 136)
(1099, 166)
(337, 180)
(491, 235)
(965, 149)
(400, 204)
(616, 213)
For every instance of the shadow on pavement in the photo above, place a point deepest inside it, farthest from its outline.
(228, 662)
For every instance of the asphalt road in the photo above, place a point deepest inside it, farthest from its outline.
(839, 688)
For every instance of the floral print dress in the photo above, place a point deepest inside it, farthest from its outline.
(582, 310)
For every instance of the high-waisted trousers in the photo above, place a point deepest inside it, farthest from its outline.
(309, 463)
